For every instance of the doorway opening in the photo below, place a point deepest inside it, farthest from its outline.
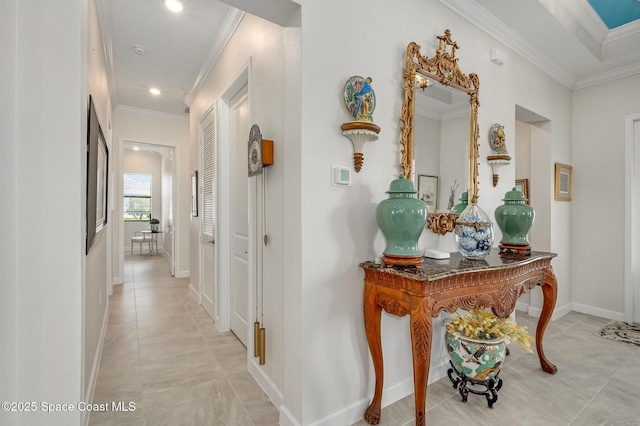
(148, 192)
(533, 162)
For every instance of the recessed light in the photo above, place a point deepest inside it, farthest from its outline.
(136, 148)
(173, 5)
(154, 91)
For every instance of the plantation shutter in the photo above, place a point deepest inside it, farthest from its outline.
(208, 169)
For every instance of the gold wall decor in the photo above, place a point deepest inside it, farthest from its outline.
(441, 223)
(442, 67)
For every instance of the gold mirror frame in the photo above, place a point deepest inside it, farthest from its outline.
(443, 67)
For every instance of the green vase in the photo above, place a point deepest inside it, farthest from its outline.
(464, 202)
(402, 218)
(514, 219)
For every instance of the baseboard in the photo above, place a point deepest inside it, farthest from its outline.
(522, 307)
(394, 393)
(267, 385)
(558, 312)
(88, 397)
(194, 292)
(597, 312)
(183, 274)
(286, 417)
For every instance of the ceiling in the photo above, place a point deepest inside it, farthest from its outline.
(569, 40)
(615, 13)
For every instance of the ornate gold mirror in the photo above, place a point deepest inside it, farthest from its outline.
(440, 77)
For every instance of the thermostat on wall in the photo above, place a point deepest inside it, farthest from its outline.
(341, 176)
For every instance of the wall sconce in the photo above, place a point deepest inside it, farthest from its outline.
(501, 156)
(495, 161)
(360, 132)
(423, 82)
(360, 100)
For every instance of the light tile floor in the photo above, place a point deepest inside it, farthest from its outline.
(597, 383)
(163, 353)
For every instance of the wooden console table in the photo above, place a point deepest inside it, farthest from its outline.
(446, 285)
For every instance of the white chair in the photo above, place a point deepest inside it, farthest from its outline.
(141, 240)
(152, 237)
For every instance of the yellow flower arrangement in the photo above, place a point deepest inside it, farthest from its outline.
(482, 324)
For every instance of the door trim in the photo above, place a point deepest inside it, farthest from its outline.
(244, 77)
(118, 204)
(632, 240)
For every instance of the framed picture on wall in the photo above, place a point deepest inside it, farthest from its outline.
(428, 191)
(522, 185)
(97, 177)
(563, 182)
(101, 182)
(194, 194)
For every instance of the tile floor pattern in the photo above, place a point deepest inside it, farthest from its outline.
(162, 352)
(597, 383)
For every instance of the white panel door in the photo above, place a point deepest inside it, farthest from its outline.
(208, 217)
(239, 125)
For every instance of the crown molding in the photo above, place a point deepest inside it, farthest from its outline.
(495, 28)
(125, 109)
(227, 29)
(623, 31)
(620, 72)
(104, 18)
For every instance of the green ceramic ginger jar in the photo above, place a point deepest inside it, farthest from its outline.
(464, 202)
(514, 219)
(402, 218)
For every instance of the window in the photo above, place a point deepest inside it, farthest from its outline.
(137, 197)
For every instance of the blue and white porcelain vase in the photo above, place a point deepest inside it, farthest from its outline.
(474, 233)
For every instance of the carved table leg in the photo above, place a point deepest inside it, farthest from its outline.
(421, 330)
(549, 291)
(372, 315)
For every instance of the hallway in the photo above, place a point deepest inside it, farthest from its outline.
(163, 353)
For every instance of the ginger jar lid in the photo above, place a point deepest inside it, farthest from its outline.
(401, 185)
(514, 196)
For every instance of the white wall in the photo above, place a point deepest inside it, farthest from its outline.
(8, 216)
(426, 145)
(598, 203)
(44, 63)
(159, 129)
(338, 224)
(522, 163)
(97, 272)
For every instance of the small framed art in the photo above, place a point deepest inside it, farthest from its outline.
(563, 182)
(428, 191)
(522, 185)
